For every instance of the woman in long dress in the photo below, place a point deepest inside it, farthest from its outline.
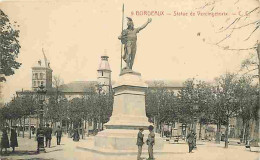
(13, 139)
(4, 141)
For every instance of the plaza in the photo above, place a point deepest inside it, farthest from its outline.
(69, 150)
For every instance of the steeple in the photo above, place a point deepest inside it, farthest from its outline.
(104, 74)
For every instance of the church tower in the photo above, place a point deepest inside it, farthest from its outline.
(42, 74)
(104, 75)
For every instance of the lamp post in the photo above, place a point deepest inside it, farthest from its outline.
(41, 95)
(41, 92)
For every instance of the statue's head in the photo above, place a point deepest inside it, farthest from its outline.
(130, 23)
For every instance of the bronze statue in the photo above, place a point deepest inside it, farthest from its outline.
(128, 38)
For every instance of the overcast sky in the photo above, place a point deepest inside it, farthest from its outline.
(74, 34)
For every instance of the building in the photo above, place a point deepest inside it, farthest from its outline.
(41, 75)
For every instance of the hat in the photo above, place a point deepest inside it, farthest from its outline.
(129, 19)
(150, 127)
(141, 129)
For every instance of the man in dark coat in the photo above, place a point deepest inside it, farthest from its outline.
(58, 135)
(13, 139)
(190, 140)
(4, 140)
(140, 142)
(48, 136)
(150, 142)
(76, 135)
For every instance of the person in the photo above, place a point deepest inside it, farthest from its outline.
(13, 139)
(4, 140)
(150, 142)
(76, 135)
(140, 142)
(190, 140)
(48, 136)
(33, 130)
(40, 138)
(58, 135)
(128, 37)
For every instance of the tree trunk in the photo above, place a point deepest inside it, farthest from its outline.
(87, 128)
(243, 136)
(154, 123)
(19, 131)
(82, 126)
(66, 131)
(30, 136)
(226, 134)
(11, 124)
(23, 125)
(218, 133)
(200, 132)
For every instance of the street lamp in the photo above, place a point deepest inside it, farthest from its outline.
(41, 97)
(41, 92)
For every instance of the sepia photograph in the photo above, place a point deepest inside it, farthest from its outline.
(129, 79)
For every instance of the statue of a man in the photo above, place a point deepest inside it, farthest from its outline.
(128, 37)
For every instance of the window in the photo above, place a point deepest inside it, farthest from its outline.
(101, 73)
(41, 76)
(34, 83)
(36, 75)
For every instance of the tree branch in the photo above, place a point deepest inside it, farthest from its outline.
(246, 25)
(233, 49)
(235, 21)
(251, 33)
(228, 36)
(250, 71)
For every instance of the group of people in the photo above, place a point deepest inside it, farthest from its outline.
(5, 141)
(47, 133)
(150, 142)
(191, 139)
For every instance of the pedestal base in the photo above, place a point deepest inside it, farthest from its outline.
(128, 115)
(123, 139)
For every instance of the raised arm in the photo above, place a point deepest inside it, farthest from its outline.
(144, 25)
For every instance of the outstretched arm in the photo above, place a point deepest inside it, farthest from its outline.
(144, 25)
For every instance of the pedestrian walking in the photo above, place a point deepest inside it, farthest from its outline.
(190, 140)
(13, 139)
(58, 135)
(150, 142)
(4, 140)
(48, 135)
(140, 142)
(76, 135)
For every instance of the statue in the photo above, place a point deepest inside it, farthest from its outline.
(128, 38)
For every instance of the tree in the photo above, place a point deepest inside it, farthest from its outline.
(159, 105)
(246, 94)
(248, 23)
(228, 102)
(9, 46)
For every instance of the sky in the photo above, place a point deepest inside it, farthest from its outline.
(75, 33)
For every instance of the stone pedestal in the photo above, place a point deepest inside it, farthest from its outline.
(128, 115)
